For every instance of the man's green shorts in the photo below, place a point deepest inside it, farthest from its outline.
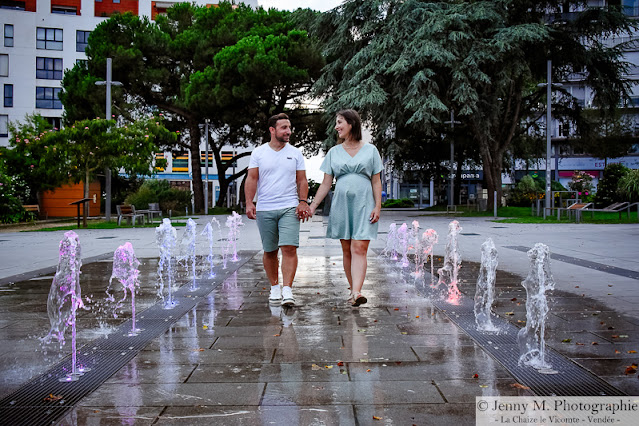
(278, 228)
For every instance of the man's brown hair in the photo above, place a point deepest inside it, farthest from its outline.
(272, 122)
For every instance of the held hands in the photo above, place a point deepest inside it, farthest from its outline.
(303, 211)
(375, 215)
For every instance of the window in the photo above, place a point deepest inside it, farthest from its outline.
(49, 38)
(81, 40)
(116, 1)
(8, 95)
(55, 122)
(64, 10)
(8, 35)
(4, 65)
(49, 68)
(4, 126)
(47, 97)
(12, 4)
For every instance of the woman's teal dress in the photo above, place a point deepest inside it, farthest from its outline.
(353, 200)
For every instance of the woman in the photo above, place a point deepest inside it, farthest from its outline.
(357, 201)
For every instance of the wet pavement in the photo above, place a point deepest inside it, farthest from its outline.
(233, 359)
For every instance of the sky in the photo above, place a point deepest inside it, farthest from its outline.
(321, 5)
(312, 163)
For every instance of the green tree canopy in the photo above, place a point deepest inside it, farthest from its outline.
(231, 65)
(406, 64)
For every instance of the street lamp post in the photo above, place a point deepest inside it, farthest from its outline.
(107, 170)
(549, 84)
(206, 168)
(451, 188)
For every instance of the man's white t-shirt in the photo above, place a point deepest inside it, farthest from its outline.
(277, 183)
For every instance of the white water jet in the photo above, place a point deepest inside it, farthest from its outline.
(391, 242)
(452, 262)
(125, 271)
(233, 223)
(429, 239)
(187, 251)
(209, 231)
(532, 346)
(166, 238)
(65, 297)
(485, 291)
(402, 241)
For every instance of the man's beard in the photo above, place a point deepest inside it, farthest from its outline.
(281, 139)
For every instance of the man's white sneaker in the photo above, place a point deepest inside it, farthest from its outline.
(287, 296)
(276, 294)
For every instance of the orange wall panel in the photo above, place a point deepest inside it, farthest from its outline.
(108, 8)
(76, 3)
(56, 203)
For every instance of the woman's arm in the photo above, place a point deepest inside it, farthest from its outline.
(322, 191)
(376, 182)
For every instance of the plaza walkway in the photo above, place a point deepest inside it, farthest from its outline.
(230, 358)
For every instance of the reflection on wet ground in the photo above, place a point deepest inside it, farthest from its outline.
(233, 359)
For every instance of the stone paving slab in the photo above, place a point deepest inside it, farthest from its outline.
(397, 358)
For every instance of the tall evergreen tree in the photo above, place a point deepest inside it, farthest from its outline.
(407, 63)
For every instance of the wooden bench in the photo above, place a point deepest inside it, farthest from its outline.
(34, 208)
(576, 207)
(128, 212)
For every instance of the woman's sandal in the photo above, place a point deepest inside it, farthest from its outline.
(359, 300)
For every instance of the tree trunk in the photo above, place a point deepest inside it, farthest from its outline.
(196, 170)
(86, 195)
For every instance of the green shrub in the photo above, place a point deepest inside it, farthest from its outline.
(629, 186)
(160, 191)
(607, 189)
(11, 210)
(399, 203)
(526, 192)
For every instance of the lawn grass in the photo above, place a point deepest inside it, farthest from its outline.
(101, 224)
(525, 215)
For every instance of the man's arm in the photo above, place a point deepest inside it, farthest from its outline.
(250, 189)
(303, 211)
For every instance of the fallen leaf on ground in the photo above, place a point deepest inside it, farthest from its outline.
(417, 316)
(403, 332)
(340, 363)
(476, 376)
(594, 343)
(519, 386)
(483, 386)
(376, 418)
(510, 313)
(514, 299)
(623, 335)
(631, 369)
(614, 336)
(199, 350)
(632, 352)
(276, 335)
(617, 351)
(579, 344)
(53, 397)
(315, 367)
(576, 286)
(566, 341)
(368, 371)
(396, 309)
(328, 366)
(205, 327)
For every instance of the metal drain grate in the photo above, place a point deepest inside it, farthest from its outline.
(571, 380)
(586, 263)
(104, 357)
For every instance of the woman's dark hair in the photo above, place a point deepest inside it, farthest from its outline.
(272, 122)
(352, 117)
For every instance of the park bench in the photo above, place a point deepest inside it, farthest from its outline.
(32, 208)
(154, 209)
(613, 208)
(128, 212)
(577, 208)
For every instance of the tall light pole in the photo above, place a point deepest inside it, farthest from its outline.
(206, 168)
(548, 85)
(107, 170)
(451, 187)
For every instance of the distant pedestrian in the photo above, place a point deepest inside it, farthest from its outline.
(277, 175)
(357, 201)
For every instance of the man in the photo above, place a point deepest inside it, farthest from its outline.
(278, 175)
